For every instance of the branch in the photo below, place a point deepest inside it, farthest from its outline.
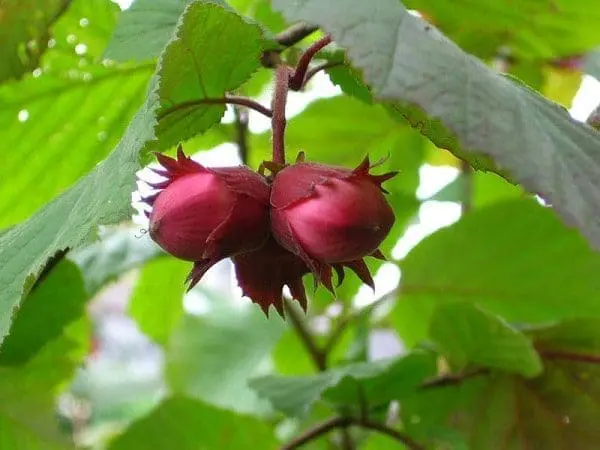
(297, 79)
(227, 100)
(452, 379)
(278, 121)
(241, 126)
(344, 422)
(316, 432)
(324, 66)
(570, 356)
(295, 34)
(317, 355)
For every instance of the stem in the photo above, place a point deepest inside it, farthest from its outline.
(344, 422)
(297, 79)
(316, 432)
(227, 100)
(453, 379)
(241, 126)
(295, 33)
(278, 121)
(467, 192)
(317, 356)
(315, 70)
(569, 356)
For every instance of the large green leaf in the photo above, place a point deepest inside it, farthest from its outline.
(515, 259)
(373, 383)
(104, 195)
(157, 300)
(212, 357)
(466, 334)
(464, 106)
(186, 424)
(24, 33)
(44, 314)
(216, 51)
(59, 123)
(496, 411)
(28, 393)
(527, 29)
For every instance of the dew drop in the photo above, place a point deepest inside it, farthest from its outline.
(81, 49)
(51, 42)
(71, 39)
(84, 22)
(87, 77)
(566, 420)
(23, 115)
(37, 73)
(101, 136)
(108, 62)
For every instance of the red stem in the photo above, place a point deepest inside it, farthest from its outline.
(297, 79)
(227, 100)
(278, 122)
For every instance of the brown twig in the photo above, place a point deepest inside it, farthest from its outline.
(317, 355)
(278, 121)
(453, 379)
(324, 66)
(570, 356)
(344, 422)
(227, 100)
(295, 33)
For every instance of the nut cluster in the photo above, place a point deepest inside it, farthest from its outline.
(305, 217)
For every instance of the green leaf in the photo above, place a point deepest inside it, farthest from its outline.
(144, 29)
(28, 393)
(480, 112)
(59, 300)
(552, 411)
(61, 123)
(467, 334)
(375, 383)
(117, 251)
(482, 27)
(186, 424)
(157, 301)
(24, 33)
(198, 66)
(509, 259)
(211, 357)
(102, 197)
